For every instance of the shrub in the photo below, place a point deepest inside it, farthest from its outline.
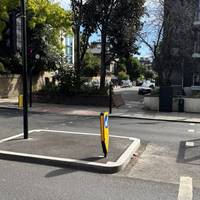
(67, 81)
(155, 92)
(123, 76)
(93, 90)
(49, 89)
(2, 68)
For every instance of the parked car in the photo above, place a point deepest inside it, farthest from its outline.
(93, 83)
(146, 87)
(126, 83)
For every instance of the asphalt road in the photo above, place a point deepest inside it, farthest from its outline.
(131, 98)
(155, 174)
(130, 94)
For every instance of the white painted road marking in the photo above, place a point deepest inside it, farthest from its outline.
(189, 144)
(185, 189)
(11, 138)
(192, 124)
(191, 130)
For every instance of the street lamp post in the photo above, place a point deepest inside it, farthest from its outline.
(25, 71)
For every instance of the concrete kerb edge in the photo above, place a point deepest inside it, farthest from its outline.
(10, 108)
(109, 167)
(113, 116)
(126, 156)
(154, 119)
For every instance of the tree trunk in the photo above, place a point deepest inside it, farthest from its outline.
(103, 57)
(77, 54)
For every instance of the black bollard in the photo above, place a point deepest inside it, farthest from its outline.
(110, 98)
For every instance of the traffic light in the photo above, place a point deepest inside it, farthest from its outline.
(11, 32)
(14, 38)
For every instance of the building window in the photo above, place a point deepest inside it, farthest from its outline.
(69, 49)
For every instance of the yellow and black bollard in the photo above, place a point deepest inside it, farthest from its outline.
(104, 127)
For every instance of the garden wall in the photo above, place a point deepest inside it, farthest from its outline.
(191, 105)
(12, 86)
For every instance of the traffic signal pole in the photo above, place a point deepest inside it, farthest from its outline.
(25, 71)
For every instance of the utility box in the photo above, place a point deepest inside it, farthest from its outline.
(166, 99)
(181, 105)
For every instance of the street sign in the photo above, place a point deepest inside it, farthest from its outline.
(104, 127)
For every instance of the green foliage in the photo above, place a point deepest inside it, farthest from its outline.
(149, 74)
(67, 81)
(123, 76)
(131, 66)
(155, 92)
(46, 23)
(121, 66)
(68, 85)
(2, 68)
(93, 90)
(43, 12)
(46, 20)
(118, 22)
(134, 68)
(123, 27)
(5, 7)
(91, 65)
(49, 89)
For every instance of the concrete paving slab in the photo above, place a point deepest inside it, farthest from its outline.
(69, 149)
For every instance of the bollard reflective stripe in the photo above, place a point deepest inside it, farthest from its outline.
(104, 127)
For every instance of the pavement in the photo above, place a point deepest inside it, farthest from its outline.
(133, 110)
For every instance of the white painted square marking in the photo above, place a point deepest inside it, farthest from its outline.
(185, 189)
(191, 130)
(192, 124)
(189, 144)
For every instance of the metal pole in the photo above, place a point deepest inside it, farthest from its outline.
(25, 71)
(30, 88)
(110, 98)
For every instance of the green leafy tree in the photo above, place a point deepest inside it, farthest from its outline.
(82, 12)
(123, 76)
(109, 17)
(7, 58)
(5, 7)
(131, 67)
(91, 65)
(134, 68)
(47, 22)
(125, 24)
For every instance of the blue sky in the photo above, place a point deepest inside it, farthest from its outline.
(150, 5)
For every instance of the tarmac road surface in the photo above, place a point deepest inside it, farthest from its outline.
(168, 167)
